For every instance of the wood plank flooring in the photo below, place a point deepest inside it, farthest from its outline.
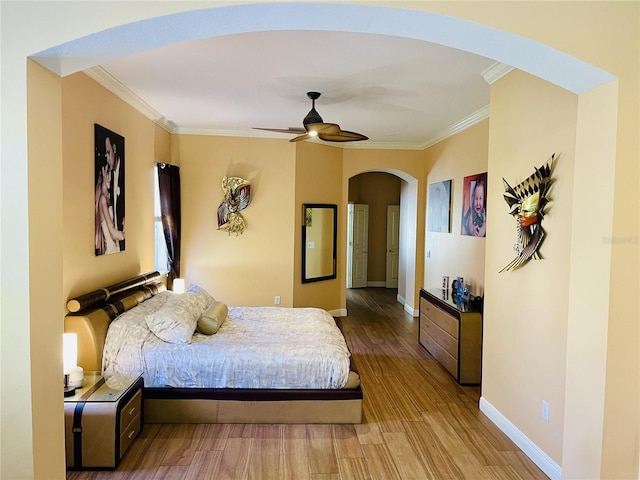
(418, 423)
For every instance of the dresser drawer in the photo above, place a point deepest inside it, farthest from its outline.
(427, 325)
(130, 411)
(446, 341)
(445, 321)
(447, 361)
(129, 433)
(426, 307)
(428, 342)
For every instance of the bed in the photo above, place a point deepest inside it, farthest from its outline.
(204, 362)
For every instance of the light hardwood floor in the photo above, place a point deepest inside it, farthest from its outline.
(418, 423)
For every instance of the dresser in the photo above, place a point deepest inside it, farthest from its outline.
(451, 332)
(101, 420)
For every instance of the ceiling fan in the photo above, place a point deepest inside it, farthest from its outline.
(314, 126)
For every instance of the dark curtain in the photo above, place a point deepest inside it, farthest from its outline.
(169, 188)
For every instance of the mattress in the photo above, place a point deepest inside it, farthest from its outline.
(256, 348)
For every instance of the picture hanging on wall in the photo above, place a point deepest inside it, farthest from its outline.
(109, 191)
(474, 205)
(237, 196)
(527, 202)
(439, 207)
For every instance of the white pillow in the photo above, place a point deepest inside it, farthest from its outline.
(176, 320)
(200, 296)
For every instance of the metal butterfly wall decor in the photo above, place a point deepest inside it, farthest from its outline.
(237, 196)
(526, 202)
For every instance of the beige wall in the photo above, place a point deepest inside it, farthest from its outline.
(453, 254)
(525, 313)
(46, 271)
(318, 180)
(252, 268)
(378, 190)
(85, 103)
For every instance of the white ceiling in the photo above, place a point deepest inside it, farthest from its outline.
(400, 92)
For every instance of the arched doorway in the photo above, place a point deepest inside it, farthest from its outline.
(407, 197)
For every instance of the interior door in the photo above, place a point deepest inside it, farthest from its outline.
(360, 236)
(393, 245)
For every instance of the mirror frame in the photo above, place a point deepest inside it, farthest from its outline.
(334, 209)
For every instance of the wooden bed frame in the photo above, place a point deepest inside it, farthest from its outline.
(89, 317)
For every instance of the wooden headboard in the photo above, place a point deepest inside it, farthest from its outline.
(90, 314)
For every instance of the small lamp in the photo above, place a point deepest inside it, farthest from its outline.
(178, 285)
(73, 374)
(69, 359)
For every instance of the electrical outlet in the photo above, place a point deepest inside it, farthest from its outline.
(276, 300)
(545, 411)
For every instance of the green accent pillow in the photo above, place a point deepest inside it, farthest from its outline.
(212, 318)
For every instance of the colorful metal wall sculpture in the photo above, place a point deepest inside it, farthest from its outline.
(526, 202)
(237, 196)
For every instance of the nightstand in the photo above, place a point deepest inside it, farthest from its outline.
(101, 420)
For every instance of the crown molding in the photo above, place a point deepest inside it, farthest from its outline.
(496, 71)
(116, 87)
(458, 127)
(108, 81)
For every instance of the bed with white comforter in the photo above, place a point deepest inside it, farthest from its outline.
(204, 362)
(255, 347)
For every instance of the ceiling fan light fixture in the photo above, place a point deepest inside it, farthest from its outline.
(314, 126)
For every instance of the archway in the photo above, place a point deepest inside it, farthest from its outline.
(14, 103)
(408, 259)
(510, 49)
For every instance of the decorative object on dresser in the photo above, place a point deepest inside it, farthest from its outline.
(451, 331)
(526, 203)
(101, 420)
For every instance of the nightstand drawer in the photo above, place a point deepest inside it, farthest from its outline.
(130, 433)
(130, 411)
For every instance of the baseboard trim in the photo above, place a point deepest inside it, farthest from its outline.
(377, 284)
(341, 312)
(530, 449)
(411, 311)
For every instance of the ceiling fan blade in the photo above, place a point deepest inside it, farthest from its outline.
(342, 136)
(300, 138)
(327, 128)
(295, 130)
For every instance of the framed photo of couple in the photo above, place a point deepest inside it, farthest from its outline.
(109, 236)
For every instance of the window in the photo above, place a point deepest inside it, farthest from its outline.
(161, 255)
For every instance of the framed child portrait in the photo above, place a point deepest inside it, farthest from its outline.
(474, 205)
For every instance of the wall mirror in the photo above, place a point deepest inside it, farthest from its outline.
(319, 227)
